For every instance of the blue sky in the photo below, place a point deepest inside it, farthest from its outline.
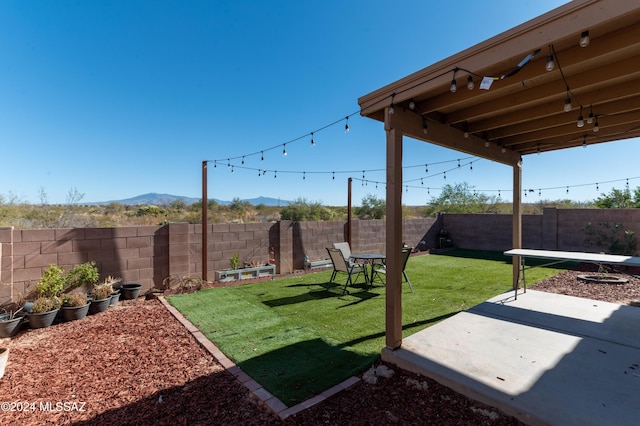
(122, 98)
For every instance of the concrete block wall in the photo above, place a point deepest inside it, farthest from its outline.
(149, 254)
(136, 254)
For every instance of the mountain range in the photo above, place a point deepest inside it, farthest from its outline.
(166, 199)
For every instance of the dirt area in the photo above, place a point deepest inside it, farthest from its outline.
(136, 365)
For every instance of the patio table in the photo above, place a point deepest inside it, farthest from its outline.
(368, 259)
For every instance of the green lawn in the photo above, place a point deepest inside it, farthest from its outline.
(296, 338)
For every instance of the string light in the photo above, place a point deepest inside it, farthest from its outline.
(412, 104)
(454, 87)
(313, 142)
(261, 155)
(567, 103)
(596, 127)
(584, 141)
(215, 164)
(590, 117)
(425, 128)
(392, 106)
(243, 160)
(346, 126)
(228, 163)
(334, 176)
(550, 64)
(584, 39)
(304, 175)
(580, 118)
(426, 169)
(284, 150)
(470, 84)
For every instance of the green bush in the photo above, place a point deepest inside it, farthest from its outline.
(85, 273)
(52, 282)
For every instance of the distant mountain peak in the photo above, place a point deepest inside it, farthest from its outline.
(153, 198)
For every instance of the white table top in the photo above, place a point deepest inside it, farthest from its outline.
(576, 256)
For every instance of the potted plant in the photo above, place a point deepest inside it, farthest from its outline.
(85, 274)
(100, 297)
(74, 306)
(115, 294)
(46, 306)
(10, 322)
(44, 311)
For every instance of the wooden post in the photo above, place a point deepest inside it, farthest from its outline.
(349, 212)
(205, 200)
(517, 221)
(394, 236)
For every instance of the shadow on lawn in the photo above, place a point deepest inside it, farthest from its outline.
(325, 293)
(304, 369)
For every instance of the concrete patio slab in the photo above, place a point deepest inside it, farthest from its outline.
(543, 358)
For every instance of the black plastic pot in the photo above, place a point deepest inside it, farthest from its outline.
(9, 327)
(42, 320)
(115, 297)
(98, 306)
(72, 313)
(130, 291)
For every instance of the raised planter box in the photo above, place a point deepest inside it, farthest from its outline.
(245, 273)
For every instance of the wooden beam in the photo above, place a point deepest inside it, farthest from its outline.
(411, 124)
(393, 291)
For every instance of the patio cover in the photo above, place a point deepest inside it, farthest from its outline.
(516, 106)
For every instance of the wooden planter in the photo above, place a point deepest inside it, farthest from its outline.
(245, 273)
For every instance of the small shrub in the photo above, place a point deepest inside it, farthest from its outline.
(234, 261)
(45, 304)
(85, 273)
(102, 291)
(52, 282)
(76, 298)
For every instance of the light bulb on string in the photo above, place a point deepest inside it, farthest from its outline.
(412, 104)
(550, 64)
(232, 169)
(567, 104)
(584, 141)
(584, 39)
(425, 128)
(580, 119)
(454, 87)
(426, 169)
(392, 106)
(304, 175)
(596, 127)
(346, 126)
(567, 189)
(313, 142)
(284, 150)
(444, 175)
(590, 117)
(421, 182)
(470, 84)
(215, 164)
(243, 160)
(539, 192)
(597, 187)
(334, 176)
(261, 155)
(228, 163)
(458, 163)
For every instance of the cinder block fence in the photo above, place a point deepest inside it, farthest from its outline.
(148, 254)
